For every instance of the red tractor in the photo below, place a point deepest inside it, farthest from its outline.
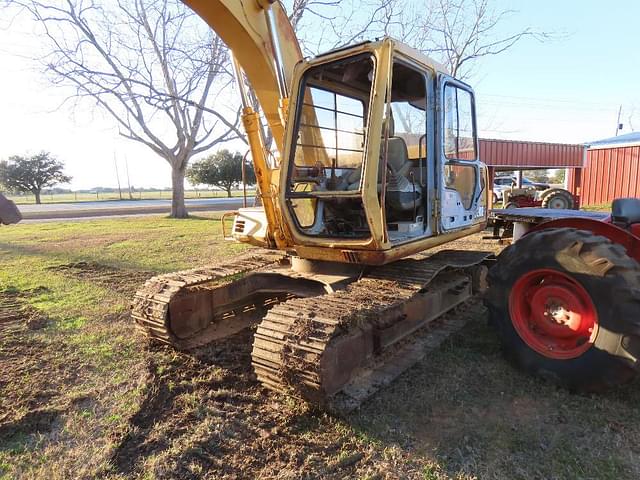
(565, 296)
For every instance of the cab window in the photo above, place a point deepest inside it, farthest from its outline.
(459, 128)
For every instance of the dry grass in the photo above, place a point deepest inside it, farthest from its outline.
(82, 396)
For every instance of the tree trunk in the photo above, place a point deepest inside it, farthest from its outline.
(178, 210)
(37, 195)
(228, 192)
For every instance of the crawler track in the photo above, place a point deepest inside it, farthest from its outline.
(332, 349)
(338, 349)
(154, 303)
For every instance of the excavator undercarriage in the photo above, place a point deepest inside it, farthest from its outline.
(332, 334)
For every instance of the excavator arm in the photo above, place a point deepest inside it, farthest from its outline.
(243, 26)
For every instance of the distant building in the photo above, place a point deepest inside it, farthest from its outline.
(510, 155)
(612, 170)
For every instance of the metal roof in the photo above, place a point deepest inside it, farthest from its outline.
(514, 154)
(626, 140)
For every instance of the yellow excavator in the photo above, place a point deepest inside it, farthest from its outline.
(376, 161)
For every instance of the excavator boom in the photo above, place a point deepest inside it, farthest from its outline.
(244, 27)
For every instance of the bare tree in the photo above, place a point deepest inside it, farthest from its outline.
(454, 32)
(318, 8)
(343, 21)
(463, 31)
(150, 65)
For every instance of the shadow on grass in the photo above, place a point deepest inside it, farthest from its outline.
(14, 435)
(185, 389)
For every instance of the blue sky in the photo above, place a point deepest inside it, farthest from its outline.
(565, 90)
(568, 89)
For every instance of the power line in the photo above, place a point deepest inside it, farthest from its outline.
(553, 100)
(544, 106)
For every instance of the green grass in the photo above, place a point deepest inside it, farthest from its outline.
(152, 243)
(87, 397)
(86, 348)
(601, 207)
(100, 196)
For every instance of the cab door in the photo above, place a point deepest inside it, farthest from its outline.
(462, 176)
(409, 146)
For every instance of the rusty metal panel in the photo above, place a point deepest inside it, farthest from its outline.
(521, 154)
(574, 180)
(610, 173)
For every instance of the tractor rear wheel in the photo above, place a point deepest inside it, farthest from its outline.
(558, 198)
(566, 306)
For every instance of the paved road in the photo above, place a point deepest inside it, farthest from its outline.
(123, 208)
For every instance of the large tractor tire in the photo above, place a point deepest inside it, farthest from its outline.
(566, 306)
(558, 198)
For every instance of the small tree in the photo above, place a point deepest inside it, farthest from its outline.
(541, 176)
(558, 176)
(223, 169)
(32, 174)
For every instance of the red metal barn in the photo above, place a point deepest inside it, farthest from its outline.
(508, 155)
(612, 170)
(522, 155)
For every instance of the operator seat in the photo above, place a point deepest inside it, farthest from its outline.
(397, 152)
(625, 211)
(397, 159)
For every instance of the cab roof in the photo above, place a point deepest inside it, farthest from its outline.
(397, 45)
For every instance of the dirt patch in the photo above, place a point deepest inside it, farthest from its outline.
(119, 280)
(33, 373)
(204, 416)
(15, 310)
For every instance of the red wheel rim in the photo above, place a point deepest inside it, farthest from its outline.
(553, 314)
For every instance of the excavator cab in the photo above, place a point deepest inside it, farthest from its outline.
(380, 155)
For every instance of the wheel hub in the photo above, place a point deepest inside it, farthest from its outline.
(553, 314)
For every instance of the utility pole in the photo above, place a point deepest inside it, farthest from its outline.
(618, 124)
(126, 164)
(115, 162)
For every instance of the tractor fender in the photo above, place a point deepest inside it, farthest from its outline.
(617, 235)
